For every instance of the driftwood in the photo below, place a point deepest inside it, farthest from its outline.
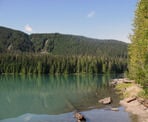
(130, 99)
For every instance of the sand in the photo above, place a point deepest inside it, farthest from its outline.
(134, 106)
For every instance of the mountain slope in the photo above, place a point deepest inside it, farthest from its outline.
(76, 45)
(12, 40)
(59, 44)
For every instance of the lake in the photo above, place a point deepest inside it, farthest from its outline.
(54, 98)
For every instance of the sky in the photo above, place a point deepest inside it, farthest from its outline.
(101, 19)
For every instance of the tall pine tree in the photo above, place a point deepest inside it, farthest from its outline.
(138, 49)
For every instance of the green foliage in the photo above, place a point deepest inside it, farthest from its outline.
(59, 53)
(45, 64)
(144, 94)
(16, 41)
(59, 44)
(138, 49)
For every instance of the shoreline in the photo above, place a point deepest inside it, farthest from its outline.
(131, 100)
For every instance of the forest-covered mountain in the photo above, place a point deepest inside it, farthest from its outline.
(13, 40)
(59, 53)
(58, 44)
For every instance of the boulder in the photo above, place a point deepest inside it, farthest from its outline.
(105, 101)
(79, 117)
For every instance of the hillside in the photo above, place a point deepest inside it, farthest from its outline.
(59, 53)
(76, 45)
(58, 44)
(12, 40)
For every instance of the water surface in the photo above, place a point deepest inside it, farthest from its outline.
(46, 97)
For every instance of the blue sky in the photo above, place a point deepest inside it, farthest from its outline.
(102, 19)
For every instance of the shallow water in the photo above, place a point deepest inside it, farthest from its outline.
(41, 98)
(95, 115)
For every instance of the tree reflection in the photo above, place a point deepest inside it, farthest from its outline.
(50, 94)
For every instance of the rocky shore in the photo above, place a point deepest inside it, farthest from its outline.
(131, 100)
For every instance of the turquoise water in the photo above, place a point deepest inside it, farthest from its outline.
(46, 97)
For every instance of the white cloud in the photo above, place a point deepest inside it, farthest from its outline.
(91, 14)
(28, 28)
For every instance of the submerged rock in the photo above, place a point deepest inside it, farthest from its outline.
(109, 108)
(114, 109)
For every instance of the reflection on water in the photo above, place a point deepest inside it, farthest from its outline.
(51, 94)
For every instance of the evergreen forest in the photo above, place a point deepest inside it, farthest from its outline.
(53, 64)
(59, 53)
(138, 49)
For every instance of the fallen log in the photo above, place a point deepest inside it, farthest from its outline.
(130, 99)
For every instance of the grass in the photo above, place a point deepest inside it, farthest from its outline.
(128, 89)
(144, 94)
(123, 86)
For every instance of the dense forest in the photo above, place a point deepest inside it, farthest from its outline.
(45, 64)
(138, 49)
(59, 53)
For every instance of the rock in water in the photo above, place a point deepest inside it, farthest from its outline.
(79, 117)
(105, 101)
(114, 109)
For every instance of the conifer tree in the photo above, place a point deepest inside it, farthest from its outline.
(138, 49)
